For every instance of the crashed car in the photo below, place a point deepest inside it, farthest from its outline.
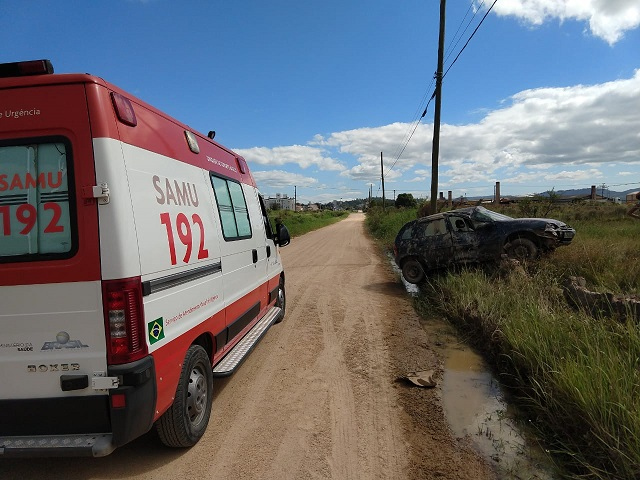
(473, 235)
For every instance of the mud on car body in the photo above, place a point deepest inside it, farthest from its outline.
(473, 235)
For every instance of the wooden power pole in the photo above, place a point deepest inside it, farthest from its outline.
(436, 117)
(382, 175)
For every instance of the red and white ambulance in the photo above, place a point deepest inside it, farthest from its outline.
(137, 262)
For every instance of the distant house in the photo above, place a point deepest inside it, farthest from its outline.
(283, 202)
(631, 197)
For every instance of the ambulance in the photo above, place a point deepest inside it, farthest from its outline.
(137, 263)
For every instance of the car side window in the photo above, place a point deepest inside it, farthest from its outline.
(435, 227)
(458, 224)
(481, 217)
(407, 234)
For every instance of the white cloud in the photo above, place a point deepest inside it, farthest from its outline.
(302, 155)
(550, 136)
(538, 129)
(574, 175)
(280, 179)
(370, 172)
(608, 19)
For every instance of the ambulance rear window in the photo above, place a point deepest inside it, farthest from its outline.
(35, 211)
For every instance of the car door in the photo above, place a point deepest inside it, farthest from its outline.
(465, 241)
(490, 240)
(434, 243)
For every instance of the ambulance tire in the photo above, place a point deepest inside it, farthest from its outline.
(186, 420)
(281, 301)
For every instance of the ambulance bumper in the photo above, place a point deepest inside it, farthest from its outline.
(81, 426)
(57, 446)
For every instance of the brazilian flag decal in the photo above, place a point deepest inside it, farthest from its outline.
(156, 330)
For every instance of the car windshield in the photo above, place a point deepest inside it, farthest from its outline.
(485, 215)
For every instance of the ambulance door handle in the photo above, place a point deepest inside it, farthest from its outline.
(254, 252)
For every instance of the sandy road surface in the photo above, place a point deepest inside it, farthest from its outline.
(318, 397)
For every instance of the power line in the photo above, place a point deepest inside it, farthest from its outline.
(467, 43)
(453, 39)
(407, 138)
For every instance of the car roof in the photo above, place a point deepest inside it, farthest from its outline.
(460, 211)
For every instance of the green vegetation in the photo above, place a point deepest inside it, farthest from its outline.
(577, 377)
(302, 222)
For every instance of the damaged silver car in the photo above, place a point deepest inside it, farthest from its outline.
(473, 235)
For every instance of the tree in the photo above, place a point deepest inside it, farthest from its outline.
(405, 200)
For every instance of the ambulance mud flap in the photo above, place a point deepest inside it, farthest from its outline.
(238, 353)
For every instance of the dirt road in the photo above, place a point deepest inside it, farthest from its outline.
(318, 398)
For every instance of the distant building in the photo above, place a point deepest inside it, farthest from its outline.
(283, 202)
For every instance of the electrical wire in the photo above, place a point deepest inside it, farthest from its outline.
(455, 35)
(415, 122)
(472, 35)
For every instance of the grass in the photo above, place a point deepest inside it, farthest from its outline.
(299, 223)
(578, 377)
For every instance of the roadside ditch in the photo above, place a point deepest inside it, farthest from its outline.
(477, 407)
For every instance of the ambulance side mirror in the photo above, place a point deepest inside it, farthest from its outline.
(282, 235)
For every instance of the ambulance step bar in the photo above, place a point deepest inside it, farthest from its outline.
(97, 445)
(238, 353)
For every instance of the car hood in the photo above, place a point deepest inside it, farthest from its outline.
(536, 222)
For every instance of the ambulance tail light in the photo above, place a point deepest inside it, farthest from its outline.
(124, 109)
(124, 320)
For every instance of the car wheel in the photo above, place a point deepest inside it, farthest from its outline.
(281, 300)
(522, 249)
(186, 420)
(412, 271)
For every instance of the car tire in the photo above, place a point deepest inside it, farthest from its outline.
(281, 301)
(186, 420)
(412, 271)
(522, 249)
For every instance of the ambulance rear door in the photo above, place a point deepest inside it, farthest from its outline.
(52, 332)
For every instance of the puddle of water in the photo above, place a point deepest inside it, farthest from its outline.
(476, 408)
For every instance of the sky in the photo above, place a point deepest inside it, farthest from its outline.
(545, 95)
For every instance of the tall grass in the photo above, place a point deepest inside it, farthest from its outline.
(578, 377)
(384, 224)
(299, 223)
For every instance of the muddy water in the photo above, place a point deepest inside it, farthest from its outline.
(476, 407)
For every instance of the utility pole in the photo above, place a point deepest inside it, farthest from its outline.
(603, 186)
(436, 117)
(382, 176)
(295, 198)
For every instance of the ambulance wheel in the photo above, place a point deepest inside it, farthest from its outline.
(187, 418)
(281, 300)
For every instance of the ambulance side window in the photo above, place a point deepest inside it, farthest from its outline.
(265, 218)
(36, 215)
(232, 207)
